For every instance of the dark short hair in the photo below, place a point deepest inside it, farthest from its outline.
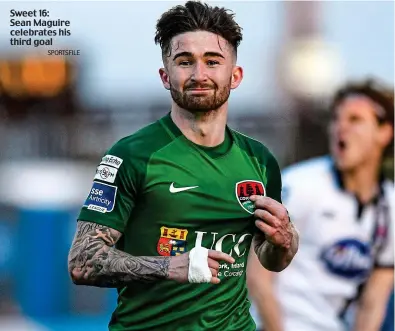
(382, 95)
(195, 16)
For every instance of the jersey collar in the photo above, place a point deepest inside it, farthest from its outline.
(214, 152)
(340, 184)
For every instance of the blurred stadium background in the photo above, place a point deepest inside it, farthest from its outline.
(59, 114)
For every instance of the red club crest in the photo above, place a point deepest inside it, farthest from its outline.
(245, 189)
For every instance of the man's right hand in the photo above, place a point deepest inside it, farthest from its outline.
(179, 266)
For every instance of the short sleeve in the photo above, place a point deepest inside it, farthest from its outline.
(385, 255)
(112, 196)
(385, 258)
(274, 182)
(295, 198)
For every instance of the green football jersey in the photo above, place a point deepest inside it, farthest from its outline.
(168, 195)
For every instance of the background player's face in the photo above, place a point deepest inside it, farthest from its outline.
(200, 71)
(356, 138)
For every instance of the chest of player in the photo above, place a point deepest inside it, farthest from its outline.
(340, 217)
(195, 187)
(191, 199)
(344, 238)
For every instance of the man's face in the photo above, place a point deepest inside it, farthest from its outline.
(200, 71)
(356, 137)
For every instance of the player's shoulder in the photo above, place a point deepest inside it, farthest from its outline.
(252, 146)
(142, 143)
(389, 191)
(314, 171)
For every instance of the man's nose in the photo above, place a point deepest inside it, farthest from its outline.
(199, 72)
(342, 125)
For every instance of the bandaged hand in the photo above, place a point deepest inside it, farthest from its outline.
(200, 265)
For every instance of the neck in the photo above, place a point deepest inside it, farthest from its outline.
(202, 128)
(363, 181)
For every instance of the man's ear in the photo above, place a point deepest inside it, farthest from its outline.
(237, 77)
(165, 78)
(386, 134)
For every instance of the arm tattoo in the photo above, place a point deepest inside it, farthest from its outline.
(275, 258)
(263, 250)
(94, 261)
(270, 256)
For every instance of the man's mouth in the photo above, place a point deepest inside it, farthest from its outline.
(199, 88)
(342, 145)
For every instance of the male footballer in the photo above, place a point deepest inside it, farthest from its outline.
(175, 207)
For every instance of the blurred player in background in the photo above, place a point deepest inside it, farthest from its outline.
(344, 209)
(175, 208)
(388, 324)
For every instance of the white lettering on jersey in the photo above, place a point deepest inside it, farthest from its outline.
(217, 244)
(226, 269)
(101, 197)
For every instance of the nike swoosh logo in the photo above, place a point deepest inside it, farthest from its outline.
(173, 189)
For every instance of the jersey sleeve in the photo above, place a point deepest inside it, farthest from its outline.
(296, 198)
(274, 182)
(112, 196)
(385, 257)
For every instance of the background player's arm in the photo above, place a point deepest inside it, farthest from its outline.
(261, 288)
(94, 261)
(373, 304)
(261, 281)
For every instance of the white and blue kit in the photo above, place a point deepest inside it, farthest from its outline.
(341, 241)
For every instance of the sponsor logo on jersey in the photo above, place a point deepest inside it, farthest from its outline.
(101, 197)
(245, 189)
(328, 214)
(348, 258)
(106, 174)
(238, 243)
(112, 161)
(173, 189)
(172, 241)
(234, 244)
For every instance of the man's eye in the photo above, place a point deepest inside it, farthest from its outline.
(354, 119)
(185, 63)
(212, 63)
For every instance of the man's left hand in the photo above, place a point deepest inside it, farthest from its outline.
(273, 221)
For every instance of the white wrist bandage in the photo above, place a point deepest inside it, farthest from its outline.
(199, 271)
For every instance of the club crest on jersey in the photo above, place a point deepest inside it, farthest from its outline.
(172, 241)
(245, 189)
(348, 258)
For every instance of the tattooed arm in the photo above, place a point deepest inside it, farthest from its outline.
(275, 257)
(94, 261)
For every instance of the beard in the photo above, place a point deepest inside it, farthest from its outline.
(201, 103)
